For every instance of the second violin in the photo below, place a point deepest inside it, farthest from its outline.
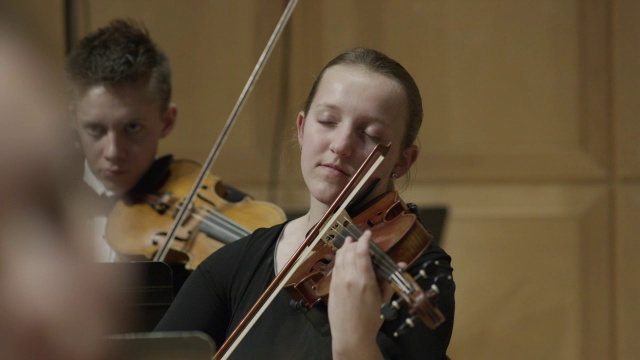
(138, 225)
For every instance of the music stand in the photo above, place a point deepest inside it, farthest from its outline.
(149, 297)
(434, 218)
(179, 345)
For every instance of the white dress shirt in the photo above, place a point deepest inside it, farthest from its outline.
(102, 250)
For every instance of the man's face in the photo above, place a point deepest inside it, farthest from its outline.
(119, 128)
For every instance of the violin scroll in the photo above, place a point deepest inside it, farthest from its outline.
(424, 304)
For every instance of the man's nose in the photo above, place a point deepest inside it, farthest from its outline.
(116, 146)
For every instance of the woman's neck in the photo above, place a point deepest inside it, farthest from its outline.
(316, 211)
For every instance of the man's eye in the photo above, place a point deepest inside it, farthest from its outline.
(95, 130)
(134, 128)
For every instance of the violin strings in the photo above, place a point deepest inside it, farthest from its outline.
(219, 226)
(213, 213)
(385, 264)
(216, 220)
(221, 219)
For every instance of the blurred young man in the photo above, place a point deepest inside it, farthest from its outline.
(120, 87)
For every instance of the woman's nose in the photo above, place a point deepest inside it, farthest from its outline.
(342, 142)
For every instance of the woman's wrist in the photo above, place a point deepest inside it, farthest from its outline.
(346, 349)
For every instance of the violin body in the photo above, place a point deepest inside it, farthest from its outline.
(137, 229)
(396, 231)
(393, 228)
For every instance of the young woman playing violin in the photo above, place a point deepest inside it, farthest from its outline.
(361, 99)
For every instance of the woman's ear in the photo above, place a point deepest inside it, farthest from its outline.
(300, 127)
(406, 160)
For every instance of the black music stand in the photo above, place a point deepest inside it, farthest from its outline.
(148, 296)
(181, 345)
(434, 218)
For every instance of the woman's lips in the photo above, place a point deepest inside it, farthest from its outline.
(335, 169)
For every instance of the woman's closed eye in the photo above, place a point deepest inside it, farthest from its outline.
(374, 137)
(376, 133)
(327, 122)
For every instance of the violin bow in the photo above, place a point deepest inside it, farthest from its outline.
(161, 254)
(335, 210)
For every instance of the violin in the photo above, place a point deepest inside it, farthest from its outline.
(398, 236)
(138, 224)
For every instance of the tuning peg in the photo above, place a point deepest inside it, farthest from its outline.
(427, 270)
(443, 282)
(406, 326)
(390, 311)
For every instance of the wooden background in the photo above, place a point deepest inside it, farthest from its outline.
(531, 139)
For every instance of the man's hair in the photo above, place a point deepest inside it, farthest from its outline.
(120, 53)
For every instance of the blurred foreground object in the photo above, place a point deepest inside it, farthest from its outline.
(55, 304)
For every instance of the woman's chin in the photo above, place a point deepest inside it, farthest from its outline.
(326, 196)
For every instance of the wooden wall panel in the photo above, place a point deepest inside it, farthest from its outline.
(627, 270)
(626, 62)
(626, 107)
(530, 270)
